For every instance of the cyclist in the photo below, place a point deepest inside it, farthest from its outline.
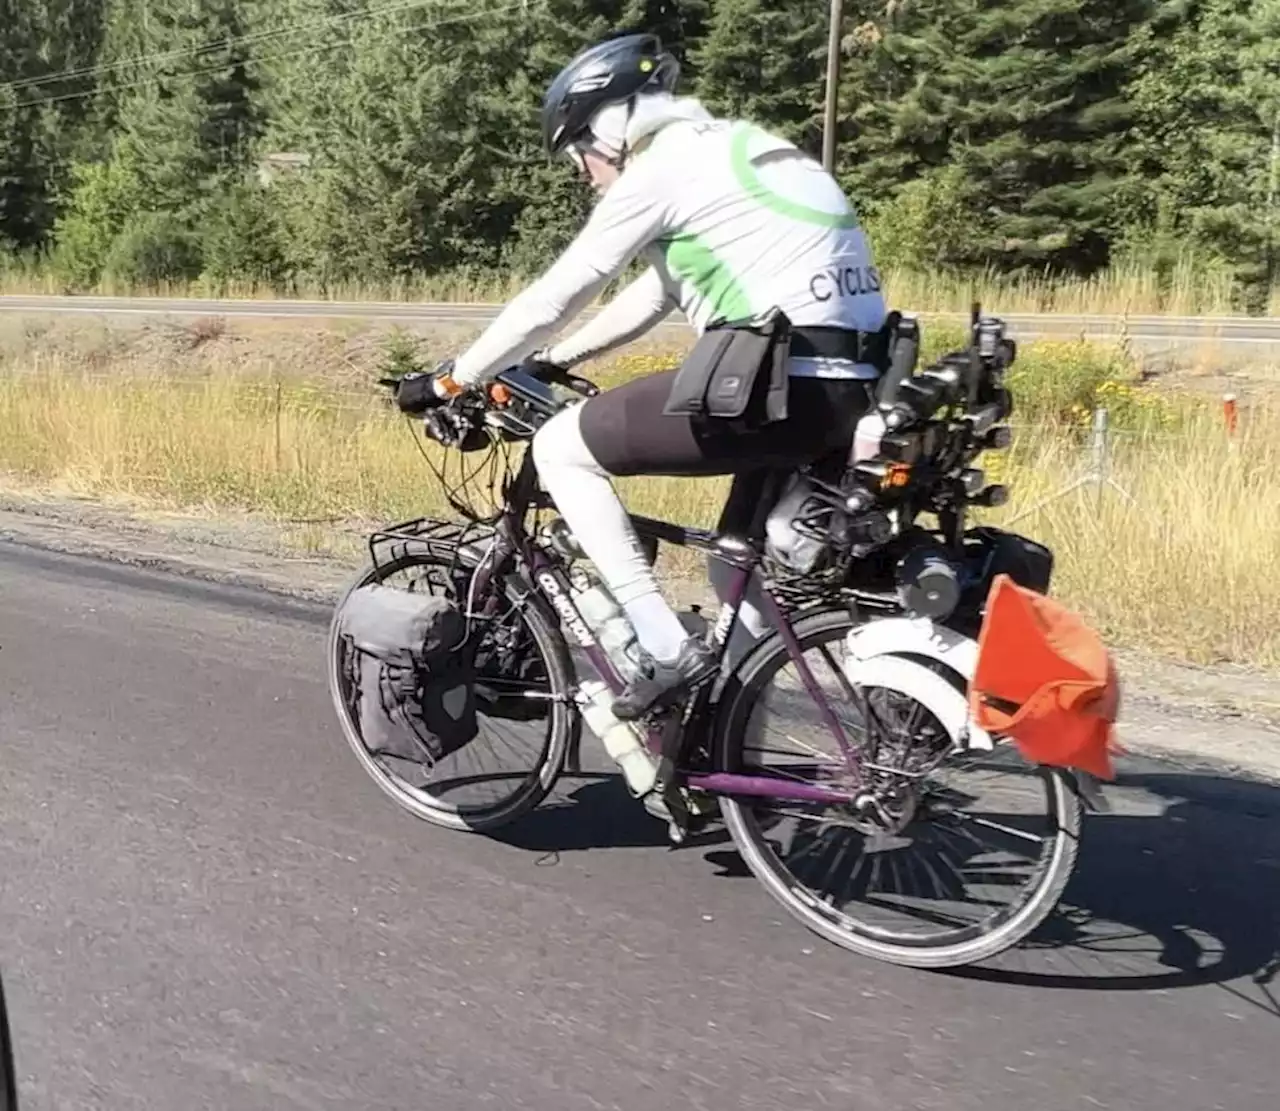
(733, 222)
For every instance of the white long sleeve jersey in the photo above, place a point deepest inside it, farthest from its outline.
(734, 222)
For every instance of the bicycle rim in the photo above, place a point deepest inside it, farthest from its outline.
(844, 875)
(467, 771)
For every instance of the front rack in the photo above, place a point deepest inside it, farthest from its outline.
(434, 536)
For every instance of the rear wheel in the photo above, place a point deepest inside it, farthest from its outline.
(524, 693)
(962, 853)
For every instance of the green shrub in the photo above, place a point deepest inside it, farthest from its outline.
(103, 197)
(244, 242)
(154, 249)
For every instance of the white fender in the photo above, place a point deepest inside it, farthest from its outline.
(895, 637)
(919, 636)
(933, 692)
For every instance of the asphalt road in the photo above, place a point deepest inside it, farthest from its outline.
(205, 904)
(1248, 337)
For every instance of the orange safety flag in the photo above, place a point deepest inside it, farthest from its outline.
(1046, 680)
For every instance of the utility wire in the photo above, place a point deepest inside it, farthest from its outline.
(85, 94)
(219, 44)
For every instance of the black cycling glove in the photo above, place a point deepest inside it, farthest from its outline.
(416, 392)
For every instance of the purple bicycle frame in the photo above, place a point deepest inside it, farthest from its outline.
(555, 585)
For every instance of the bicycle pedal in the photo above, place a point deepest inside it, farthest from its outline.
(674, 707)
(669, 805)
(678, 808)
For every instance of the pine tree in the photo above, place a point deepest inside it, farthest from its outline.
(765, 60)
(538, 205)
(425, 140)
(303, 64)
(28, 133)
(1024, 103)
(191, 116)
(71, 36)
(1208, 136)
(1029, 133)
(400, 167)
(1262, 86)
(681, 24)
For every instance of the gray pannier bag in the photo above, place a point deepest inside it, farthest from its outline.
(415, 674)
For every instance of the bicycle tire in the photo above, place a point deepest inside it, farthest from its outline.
(562, 714)
(740, 697)
(8, 1064)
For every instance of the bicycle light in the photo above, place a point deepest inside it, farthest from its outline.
(973, 480)
(928, 583)
(859, 501)
(869, 532)
(992, 497)
(906, 447)
(999, 438)
(886, 476)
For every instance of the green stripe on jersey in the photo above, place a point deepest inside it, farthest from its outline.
(749, 179)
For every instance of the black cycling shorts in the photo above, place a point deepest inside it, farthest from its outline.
(628, 434)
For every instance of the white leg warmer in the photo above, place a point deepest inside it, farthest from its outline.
(583, 493)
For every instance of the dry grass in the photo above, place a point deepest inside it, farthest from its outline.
(1188, 571)
(1187, 567)
(1190, 290)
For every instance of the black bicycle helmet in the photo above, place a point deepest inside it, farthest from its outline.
(610, 72)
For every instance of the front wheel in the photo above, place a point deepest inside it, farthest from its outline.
(955, 854)
(524, 693)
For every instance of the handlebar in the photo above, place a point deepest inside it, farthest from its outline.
(937, 420)
(532, 388)
(535, 389)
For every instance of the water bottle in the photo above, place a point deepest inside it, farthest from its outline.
(868, 437)
(609, 625)
(621, 740)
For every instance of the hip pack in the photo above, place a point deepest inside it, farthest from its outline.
(737, 371)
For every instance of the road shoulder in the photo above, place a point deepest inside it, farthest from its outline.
(1221, 719)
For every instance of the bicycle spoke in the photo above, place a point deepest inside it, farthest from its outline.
(1010, 831)
(937, 853)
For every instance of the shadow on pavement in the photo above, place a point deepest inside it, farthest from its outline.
(596, 812)
(1179, 887)
(1184, 893)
